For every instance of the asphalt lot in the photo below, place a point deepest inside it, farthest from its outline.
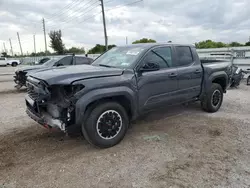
(173, 147)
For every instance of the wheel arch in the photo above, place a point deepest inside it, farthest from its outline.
(220, 78)
(121, 95)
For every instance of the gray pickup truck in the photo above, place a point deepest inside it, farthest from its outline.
(102, 99)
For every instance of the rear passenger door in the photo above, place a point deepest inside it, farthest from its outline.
(189, 73)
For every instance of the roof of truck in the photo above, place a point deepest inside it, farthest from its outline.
(149, 45)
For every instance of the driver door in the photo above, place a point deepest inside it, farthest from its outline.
(160, 86)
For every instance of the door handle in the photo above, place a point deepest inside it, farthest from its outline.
(197, 71)
(172, 75)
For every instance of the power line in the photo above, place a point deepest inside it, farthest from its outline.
(108, 1)
(119, 6)
(80, 15)
(124, 5)
(74, 2)
(73, 19)
(88, 18)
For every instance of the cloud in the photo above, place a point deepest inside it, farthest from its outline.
(181, 21)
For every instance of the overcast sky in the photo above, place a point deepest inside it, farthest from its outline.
(181, 21)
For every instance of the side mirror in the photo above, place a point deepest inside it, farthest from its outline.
(150, 66)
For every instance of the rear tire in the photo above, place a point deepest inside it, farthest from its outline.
(105, 124)
(213, 99)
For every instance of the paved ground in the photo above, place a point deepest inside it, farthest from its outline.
(174, 147)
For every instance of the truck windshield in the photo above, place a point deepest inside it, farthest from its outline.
(119, 57)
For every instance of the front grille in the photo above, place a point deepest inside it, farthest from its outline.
(37, 90)
(33, 94)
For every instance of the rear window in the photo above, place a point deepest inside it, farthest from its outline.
(82, 60)
(184, 55)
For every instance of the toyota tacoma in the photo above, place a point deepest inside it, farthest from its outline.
(102, 99)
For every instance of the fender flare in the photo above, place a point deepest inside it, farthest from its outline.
(98, 94)
(220, 74)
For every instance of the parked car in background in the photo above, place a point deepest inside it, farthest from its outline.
(102, 99)
(13, 62)
(42, 61)
(22, 73)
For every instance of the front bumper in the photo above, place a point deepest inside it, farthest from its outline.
(46, 120)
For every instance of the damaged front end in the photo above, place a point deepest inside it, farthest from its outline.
(51, 106)
(20, 79)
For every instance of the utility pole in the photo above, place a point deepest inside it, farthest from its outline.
(4, 47)
(104, 25)
(126, 40)
(34, 38)
(44, 32)
(20, 44)
(11, 48)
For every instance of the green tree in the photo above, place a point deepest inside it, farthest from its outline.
(4, 54)
(56, 41)
(76, 50)
(99, 49)
(247, 43)
(144, 40)
(235, 44)
(210, 44)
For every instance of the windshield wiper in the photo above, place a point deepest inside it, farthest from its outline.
(103, 65)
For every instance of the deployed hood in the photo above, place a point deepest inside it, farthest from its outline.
(67, 75)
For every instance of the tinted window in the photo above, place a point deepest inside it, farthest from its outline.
(2, 58)
(65, 61)
(42, 61)
(184, 55)
(82, 60)
(162, 56)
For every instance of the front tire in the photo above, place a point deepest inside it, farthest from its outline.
(105, 125)
(213, 99)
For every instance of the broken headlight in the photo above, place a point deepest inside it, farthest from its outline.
(70, 90)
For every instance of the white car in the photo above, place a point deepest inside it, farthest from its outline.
(13, 62)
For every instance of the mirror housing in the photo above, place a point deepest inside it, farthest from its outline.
(150, 66)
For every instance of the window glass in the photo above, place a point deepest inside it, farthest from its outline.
(162, 56)
(184, 55)
(82, 60)
(119, 57)
(65, 61)
(2, 58)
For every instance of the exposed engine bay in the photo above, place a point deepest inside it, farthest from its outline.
(51, 106)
